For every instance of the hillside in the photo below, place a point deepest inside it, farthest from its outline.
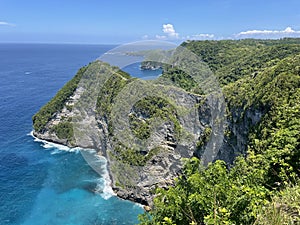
(231, 60)
(257, 165)
(261, 186)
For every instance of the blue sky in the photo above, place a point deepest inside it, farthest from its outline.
(109, 21)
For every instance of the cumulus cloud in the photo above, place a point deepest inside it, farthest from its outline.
(169, 33)
(288, 32)
(169, 30)
(2, 23)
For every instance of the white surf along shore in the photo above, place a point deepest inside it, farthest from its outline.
(103, 183)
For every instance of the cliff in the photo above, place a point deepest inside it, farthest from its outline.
(261, 85)
(145, 144)
(135, 170)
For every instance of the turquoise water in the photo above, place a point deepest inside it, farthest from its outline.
(41, 184)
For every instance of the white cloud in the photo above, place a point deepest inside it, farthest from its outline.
(169, 30)
(269, 33)
(171, 34)
(2, 23)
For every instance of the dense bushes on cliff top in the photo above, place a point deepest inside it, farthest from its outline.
(56, 104)
(231, 60)
(263, 187)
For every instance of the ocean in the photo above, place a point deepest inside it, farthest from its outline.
(43, 183)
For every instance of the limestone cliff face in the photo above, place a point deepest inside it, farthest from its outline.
(142, 156)
(238, 128)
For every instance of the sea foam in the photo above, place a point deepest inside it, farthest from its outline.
(107, 191)
(57, 148)
(104, 183)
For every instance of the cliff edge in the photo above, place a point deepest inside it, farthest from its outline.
(146, 140)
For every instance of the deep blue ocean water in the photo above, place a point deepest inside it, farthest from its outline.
(38, 183)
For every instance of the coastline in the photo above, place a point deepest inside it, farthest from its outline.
(107, 191)
(51, 139)
(53, 144)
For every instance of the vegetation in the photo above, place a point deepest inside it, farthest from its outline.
(204, 138)
(263, 186)
(144, 113)
(231, 60)
(211, 195)
(107, 94)
(283, 209)
(56, 104)
(133, 157)
(64, 130)
(180, 79)
(147, 110)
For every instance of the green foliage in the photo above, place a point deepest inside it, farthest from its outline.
(204, 138)
(109, 91)
(64, 130)
(145, 113)
(128, 156)
(261, 76)
(133, 157)
(147, 110)
(231, 60)
(284, 209)
(275, 92)
(181, 79)
(211, 195)
(41, 118)
(140, 127)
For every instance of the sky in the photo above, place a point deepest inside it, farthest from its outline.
(116, 21)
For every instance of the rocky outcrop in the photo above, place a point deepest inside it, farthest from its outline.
(238, 129)
(147, 151)
(49, 133)
(150, 65)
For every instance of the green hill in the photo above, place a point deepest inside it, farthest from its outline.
(261, 187)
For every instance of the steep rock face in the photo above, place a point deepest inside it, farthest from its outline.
(238, 128)
(143, 154)
(159, 160)
(145, 143)
(145, 148)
